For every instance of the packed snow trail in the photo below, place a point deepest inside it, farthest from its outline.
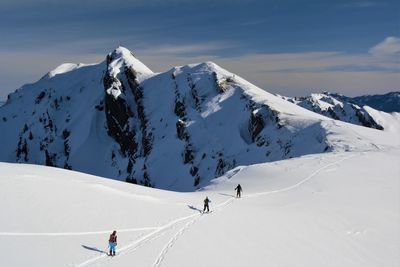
(141, 240)
(181, 231)
(196, 216)
(301, 182)
(172, 241)
(78, 233)
(348, 202)
(150, 236)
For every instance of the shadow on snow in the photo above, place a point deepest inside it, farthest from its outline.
(94, 249)
(194, 208)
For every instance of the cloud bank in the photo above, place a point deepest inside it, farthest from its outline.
(388, 47)
(375, 71)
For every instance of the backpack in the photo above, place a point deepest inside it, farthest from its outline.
(113, 238)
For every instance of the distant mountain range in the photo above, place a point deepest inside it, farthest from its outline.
(329, 106)
(348, 109)
(174, 130)
(389, 102)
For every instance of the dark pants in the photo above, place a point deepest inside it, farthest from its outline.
(238, 193)
(206, 207)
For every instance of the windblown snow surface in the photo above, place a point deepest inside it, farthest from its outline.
(332, 209)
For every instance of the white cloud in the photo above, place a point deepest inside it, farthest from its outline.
(193, 49)
(312, 62)
(362, 4)
(284, 73)
(299, 73)
(303, 73)
(388, 47)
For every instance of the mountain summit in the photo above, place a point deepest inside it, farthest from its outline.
(174, 130)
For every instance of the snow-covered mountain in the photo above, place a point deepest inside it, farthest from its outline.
(337, 108)
(389, 102)
(175, 130)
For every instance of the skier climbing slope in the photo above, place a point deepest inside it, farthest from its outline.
(238, 189)
(206, 205)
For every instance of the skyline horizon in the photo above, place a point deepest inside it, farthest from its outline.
(291, 48)
(382, 91)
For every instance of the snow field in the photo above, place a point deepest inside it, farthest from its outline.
(336, 209)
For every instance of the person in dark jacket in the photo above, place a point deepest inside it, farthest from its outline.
(238, 191)
(112, 243)
(206, 201)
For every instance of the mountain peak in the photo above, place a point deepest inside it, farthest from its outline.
(123, 57)
(175, 130)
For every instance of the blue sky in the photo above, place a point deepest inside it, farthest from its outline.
(288, 47)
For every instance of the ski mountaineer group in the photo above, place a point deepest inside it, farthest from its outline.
(112, 241)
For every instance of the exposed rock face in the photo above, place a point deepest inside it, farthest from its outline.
(126, 121)
(173, 130)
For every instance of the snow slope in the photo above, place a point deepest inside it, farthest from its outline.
(331, 209)
(173, 130)
(337, 107)
(389, 102)
(389, 121)
(180, 130)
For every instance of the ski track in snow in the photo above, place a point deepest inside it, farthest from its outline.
(76, 233)
(181, 231)
(301, 182)
(159, 231)
(172, 241)
(140, 241)
(155, 234)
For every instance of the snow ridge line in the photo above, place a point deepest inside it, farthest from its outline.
(302, 181)
(77, 233)
(181, 231)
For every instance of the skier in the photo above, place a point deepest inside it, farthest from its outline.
(238, 191)
(206, 201)
(112, 243)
